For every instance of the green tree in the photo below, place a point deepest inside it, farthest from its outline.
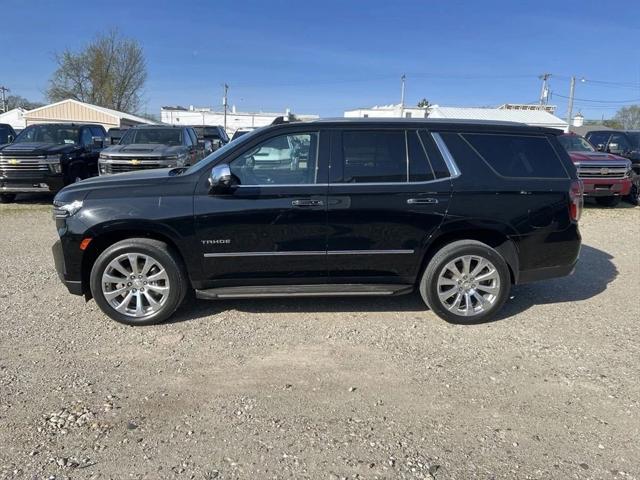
(424, 103)
(628, 117)
(110, 71)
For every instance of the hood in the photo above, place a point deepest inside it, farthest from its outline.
(144, 150)
(38, 148)
(130, 180)
(595, 157)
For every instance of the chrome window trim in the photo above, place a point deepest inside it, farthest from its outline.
(310, 253)
(446, 155)
(406, 152)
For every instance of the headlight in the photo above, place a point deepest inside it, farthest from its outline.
(105, 156)
(64, 210)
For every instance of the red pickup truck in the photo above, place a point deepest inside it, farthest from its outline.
(606, 177)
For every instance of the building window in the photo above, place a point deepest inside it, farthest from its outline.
(366, 115)
(407, 115)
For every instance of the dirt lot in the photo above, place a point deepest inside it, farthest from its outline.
(348, 388)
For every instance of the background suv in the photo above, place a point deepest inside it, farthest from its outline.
(148, 147)
(458, 211)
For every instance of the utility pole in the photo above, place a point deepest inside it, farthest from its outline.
(543, 93)
(4, 90)
(224, 104)
(570, 107)
(402, 79)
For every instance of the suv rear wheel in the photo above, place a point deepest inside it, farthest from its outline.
(466, 282)
(138, 281)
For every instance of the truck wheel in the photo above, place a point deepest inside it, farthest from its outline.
(138, 281)
(634, 195)
(7, 198)
(75, 174)
(466, 282)
(608, 201)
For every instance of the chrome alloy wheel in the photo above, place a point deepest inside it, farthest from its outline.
(468, 285)
(135, 284)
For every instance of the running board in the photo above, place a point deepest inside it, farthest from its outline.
(322, 290)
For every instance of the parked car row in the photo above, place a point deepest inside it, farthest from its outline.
(47, 157)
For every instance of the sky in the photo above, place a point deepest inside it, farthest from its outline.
(324, 57)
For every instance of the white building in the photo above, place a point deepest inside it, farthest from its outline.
(235, 119)
(538, 118)
(523, 113)
(387, 111)
(15, 118)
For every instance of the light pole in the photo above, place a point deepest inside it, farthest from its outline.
(572, 90)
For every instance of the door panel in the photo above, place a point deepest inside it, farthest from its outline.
(267, 230)
(379, 226)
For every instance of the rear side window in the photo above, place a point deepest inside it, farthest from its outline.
(440, 169)
(419, 168)
(517, 155)
(374, 157)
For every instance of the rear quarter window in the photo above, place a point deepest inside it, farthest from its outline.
(520, 156)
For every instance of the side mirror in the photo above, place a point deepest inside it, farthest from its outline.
(220, 179)
(600, 147)
(98, 142)
(10, 138)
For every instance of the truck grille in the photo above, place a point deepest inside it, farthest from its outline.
(602, 171)
(22, 164)
(110, 168)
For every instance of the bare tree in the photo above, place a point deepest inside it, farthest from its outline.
(15, 101)
(110, 72)
(628, 117)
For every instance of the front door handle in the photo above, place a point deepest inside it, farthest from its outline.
(422, 201)
(307, 203)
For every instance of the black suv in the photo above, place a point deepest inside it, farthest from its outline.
(44, 158)
(459, 211)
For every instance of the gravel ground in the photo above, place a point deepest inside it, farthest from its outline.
(329, 389)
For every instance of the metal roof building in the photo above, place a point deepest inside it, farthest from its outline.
(78, 112)
(538, 118)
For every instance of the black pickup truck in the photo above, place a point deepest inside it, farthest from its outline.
(45, 158)
(7, 133)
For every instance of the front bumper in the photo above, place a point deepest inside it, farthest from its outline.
(74, 286)
(44, 184)
(606, 187)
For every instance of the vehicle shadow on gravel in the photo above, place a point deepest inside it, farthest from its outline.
(592, 275)
(594, 272)
(33, 199)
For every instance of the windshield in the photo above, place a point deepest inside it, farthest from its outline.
(575, 143)
(634, 137)
(59, 134)
(211, 158)
(162, 136)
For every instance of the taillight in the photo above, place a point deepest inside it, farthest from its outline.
(576, 200)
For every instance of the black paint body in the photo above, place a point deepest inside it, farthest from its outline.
(527, 220)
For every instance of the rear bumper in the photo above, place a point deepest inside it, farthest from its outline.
(527, 276)
(606, 187)
(74, 286)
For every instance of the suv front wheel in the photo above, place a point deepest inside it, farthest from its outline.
(138, 281)
(466, 282)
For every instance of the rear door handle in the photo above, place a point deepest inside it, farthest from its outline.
(307, 203)
(422, 201)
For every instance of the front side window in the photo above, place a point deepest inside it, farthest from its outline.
(619, 143)
(374, 157)
(283, 160)
(634, 138)
(86, 137)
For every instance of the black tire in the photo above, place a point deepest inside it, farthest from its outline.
(75, 174)
(634, 195)
(164, 255)
(608, 201)
(429, 282)
(7, 198)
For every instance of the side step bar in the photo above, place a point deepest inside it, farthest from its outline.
(322, 290)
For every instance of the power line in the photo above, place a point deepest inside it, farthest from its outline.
(631, 100)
